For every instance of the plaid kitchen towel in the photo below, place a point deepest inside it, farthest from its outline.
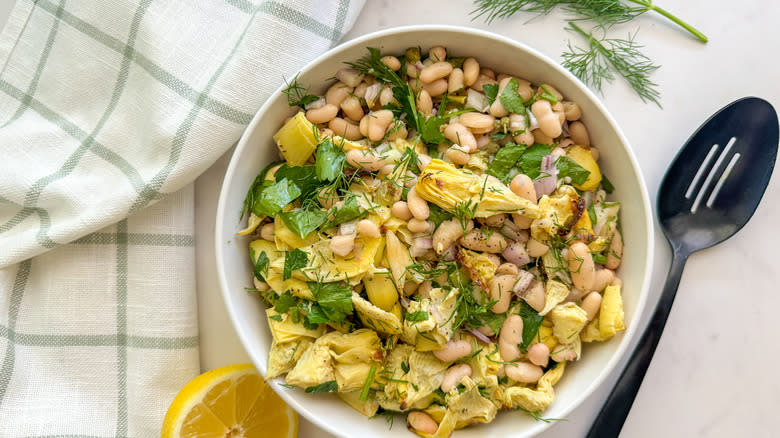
(107, 108)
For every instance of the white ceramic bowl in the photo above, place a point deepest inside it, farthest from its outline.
(256, 149)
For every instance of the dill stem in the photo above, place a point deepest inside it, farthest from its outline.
(652, 7)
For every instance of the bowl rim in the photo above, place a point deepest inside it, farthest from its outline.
(628, 335)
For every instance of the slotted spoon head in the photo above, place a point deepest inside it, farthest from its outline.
(718, 178)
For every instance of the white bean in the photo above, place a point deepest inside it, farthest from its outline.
(425, 103)
(579, 133)
(581, 267)
(337, 93)
(342, 245)
(602, 278)
(477, 122)
(615, 251)
(350, 77)
(507, 269)
(422, 422)
(523, 372)
(510, 336)
(437, 53)
(453, 350)
(267, 232)
(535, 248)
(400, 209)
(346, 129)
(437, 87)
(417, 225)
(539, 354)
(522, 222)
(367, 228)
(549, 122)
(455, 81)
(478, 240)
(523, 187)
(454, 375)
(457, 155)
(377, 124)
(591, 304)
(352, 108)
(391, 62)
(447, 233)
(435, 71)
(417, 205)
(470, 71)
(500, 289)
(324, 114)
(572, 111)
(364, 160)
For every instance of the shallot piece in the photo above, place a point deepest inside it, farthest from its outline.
(524, 279)
(477, 100)
(420, 246)
(480, 336)
(549, 181)
(372, 92)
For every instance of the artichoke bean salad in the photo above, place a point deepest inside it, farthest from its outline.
(436, 241)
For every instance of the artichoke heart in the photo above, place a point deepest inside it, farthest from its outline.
(375, 318)
(297, 139)
(325, 266)
(531, 399)
(568, 320)
(444, 185)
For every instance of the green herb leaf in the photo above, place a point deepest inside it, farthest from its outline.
(494, 320)
(295, 259)
(329, 386)
(285, 301)
(438, 214)
(531, 323)
(505, 160)
(510, 99)
(303, 222)
(276, 317)
(273, 198)
(491, 91)
(335, 299)
(349, 211)
(261, 266)
(304, 177)
(431, 130)
(297, 95)
(606, 184)
(600, 259)
(330, 160)
(592, 214)
(567, 167)
(258, 185)
(531, 161)
(367, 383)
(417, 316)
(315, 315)
(404, 367)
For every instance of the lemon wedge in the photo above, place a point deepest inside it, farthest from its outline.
(230, 402)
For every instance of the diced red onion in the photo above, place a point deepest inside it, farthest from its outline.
(524, 279)
(477, 334)
(419, 65)
(565, 128)
(319, 103)
(548, 183)
(533, 123)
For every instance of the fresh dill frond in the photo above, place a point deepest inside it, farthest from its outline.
(493, 9)
(298, 95)
(603, 57)
(371, 64)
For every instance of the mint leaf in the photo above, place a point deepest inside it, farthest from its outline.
(274, 197)
(303, 222)
(438, 214)
(531, 323)
(329, 386)
(261, 265)
(531, 161)
(258, 185)
(349, 211)
(335, 299)
(304, 177)
(417, 316)
(606, 184)
(295, 259)
(567, 167)
(491, 91)
(512, 101)
(505, 160)
(330, 160)
(286, 300)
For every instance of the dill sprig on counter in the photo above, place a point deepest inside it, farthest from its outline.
(603, 58)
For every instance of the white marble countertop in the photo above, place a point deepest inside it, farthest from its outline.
(712, 373)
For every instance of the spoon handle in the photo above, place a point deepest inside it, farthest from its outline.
(615, 410)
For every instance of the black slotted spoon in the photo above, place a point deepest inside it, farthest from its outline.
(709, 192)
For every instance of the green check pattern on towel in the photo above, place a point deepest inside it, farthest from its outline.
(108, 112)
